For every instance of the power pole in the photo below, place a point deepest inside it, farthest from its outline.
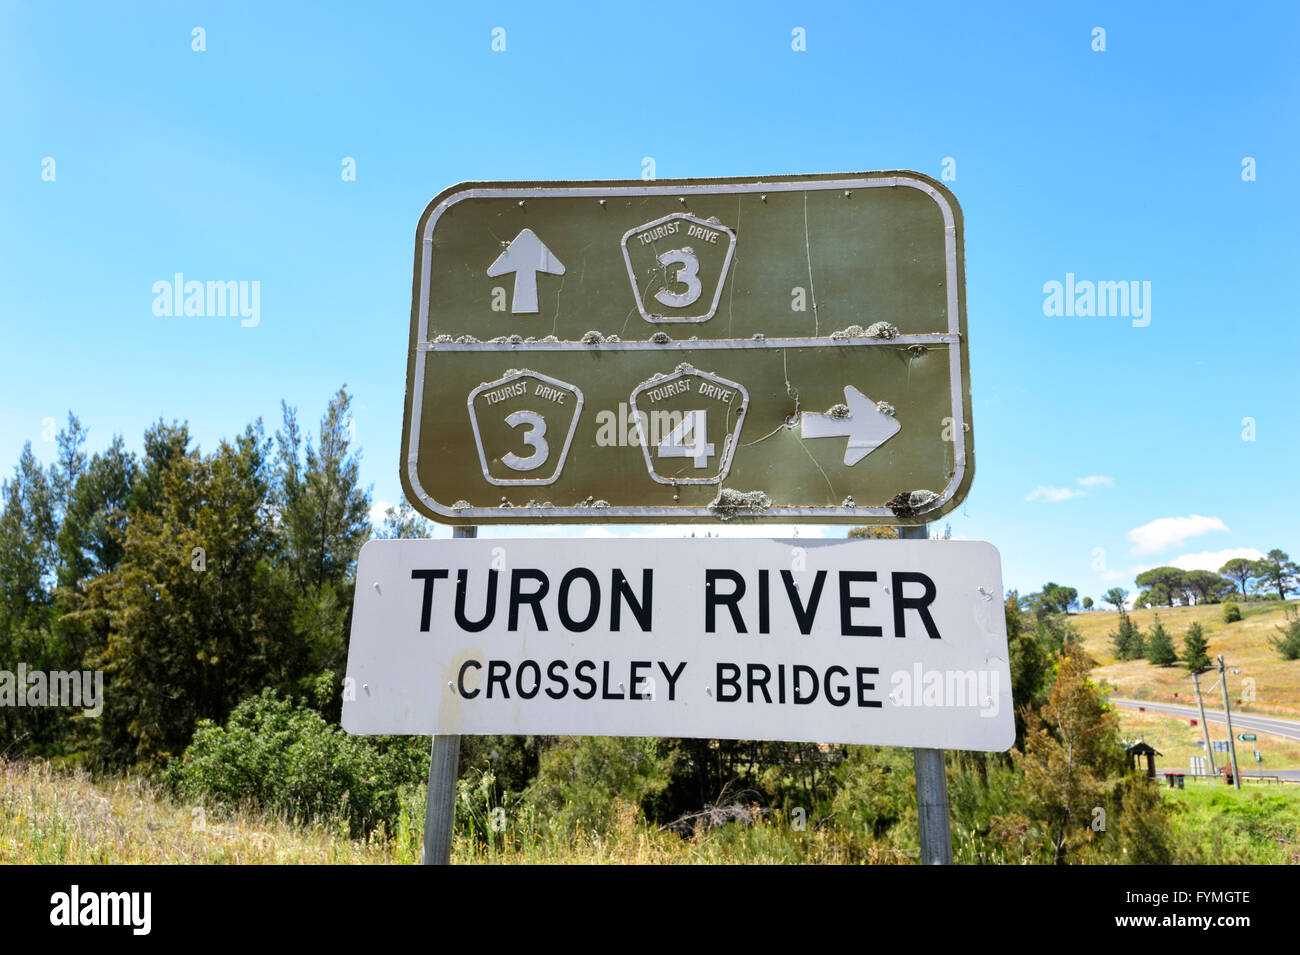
(931, 778)
(1209, 747)
(1227, 714)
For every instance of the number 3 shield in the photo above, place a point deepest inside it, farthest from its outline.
(523, 424)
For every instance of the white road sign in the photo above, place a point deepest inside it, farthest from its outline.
(896, 643)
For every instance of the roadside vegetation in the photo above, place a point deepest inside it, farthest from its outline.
(211, 589)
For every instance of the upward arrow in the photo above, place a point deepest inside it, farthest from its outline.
(866, 426)
(526, 255)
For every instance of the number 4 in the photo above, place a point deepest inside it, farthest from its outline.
(695, 422)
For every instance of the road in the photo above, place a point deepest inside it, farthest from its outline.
(1241, 722)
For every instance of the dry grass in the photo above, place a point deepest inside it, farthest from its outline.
(1244, 645)
(52, 816)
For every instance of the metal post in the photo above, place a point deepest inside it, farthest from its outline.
(931, 778)
(444, 768)
(1227, 714)
(1209, 747)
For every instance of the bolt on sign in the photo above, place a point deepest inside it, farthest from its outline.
(892, 643)
(790, 348)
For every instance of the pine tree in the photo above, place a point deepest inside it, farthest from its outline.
(1127, 641)
(1160, 648)
(1196, 649)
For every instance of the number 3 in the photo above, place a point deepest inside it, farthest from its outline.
(688, 275)
(534, 437)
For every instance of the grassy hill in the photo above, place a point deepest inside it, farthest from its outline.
(1244, 646)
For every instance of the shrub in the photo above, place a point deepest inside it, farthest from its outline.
(583, 780)
(279, 756)
(1289, 643)
(1231, 612)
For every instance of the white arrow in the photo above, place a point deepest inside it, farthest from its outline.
(526, 255)
(866, 426)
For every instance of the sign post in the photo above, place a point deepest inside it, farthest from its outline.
(933, 816)
(444, 770)
(786, 349)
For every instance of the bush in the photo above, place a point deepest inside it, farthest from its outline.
(1231, 612)
(1289, 643)
(583, 780)
(279, 756)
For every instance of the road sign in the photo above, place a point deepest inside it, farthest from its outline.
(896, 643)
(1220, 745)
(790, 349)
(1247, 737)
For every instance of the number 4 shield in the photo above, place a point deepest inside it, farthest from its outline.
(689, 424)
(523, 425)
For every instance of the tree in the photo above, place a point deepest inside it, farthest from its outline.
(1087, 603)
(28, 527)
(187, 638)
(1071, 755)
(1205, 586)
(1165, 583)
(1116, 596)
(324, 514)
(1289, 643)
(1278, 572)
(1241, 570)
(875, 532)
(1160, 648)
(404, 521)
(1030, 665)
(1195, 649)
(1060, 599)
(1127, 640)
(90, 538)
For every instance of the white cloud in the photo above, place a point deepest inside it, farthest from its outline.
(1052, 494)
(1109, 575)
(1096, 480)
(1213, 560)
(1168, 532)
(377, 512)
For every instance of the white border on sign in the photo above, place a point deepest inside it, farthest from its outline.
(775, 512)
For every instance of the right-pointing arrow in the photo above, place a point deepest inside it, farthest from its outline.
(865, 425)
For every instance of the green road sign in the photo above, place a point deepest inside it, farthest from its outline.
(1246, 737)
(787, 349)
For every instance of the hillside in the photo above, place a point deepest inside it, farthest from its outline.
(1244, 645)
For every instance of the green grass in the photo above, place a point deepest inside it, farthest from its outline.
(1216, 824)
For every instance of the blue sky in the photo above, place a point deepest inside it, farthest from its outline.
(1125, 164)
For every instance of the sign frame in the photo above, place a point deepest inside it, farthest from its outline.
(954, 338)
